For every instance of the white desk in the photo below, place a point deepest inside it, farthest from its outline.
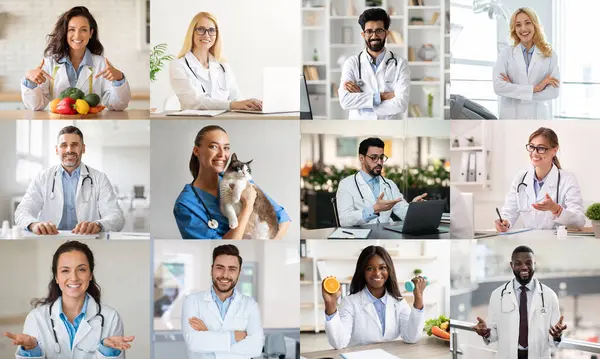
(100, 236)
(536, 234)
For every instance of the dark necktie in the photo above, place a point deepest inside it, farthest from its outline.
(523, 327)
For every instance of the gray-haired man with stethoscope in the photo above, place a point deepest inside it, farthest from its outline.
(70, 196)
(367, 197)
(523, 315)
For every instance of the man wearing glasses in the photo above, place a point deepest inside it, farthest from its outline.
(367, 197)
(375, 83)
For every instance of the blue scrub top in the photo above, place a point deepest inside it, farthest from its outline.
(192, 219)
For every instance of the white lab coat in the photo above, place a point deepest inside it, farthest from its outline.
(388, 78)
(101, 205)
(357, 323)
(350, 205)
(87, 339)
(114, 98)
(505, 326)
(517, 100)
(243, 315)
(220, 88)
(569, 197)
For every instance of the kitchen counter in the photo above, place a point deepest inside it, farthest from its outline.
(47, 115)
(427, 347)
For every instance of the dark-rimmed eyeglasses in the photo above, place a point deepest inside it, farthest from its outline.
(379, 32)
(539, 149)
(202, 30)
(376, 158)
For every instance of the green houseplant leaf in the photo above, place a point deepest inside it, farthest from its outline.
(158, 57)
(593, 212)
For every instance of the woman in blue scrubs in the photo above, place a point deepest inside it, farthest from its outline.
(197, 209)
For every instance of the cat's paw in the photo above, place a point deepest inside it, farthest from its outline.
(237, 198)
(233, 224)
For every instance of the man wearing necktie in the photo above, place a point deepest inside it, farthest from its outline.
(523, 314)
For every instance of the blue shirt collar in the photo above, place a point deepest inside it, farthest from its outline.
(87, 59)
(74, 173)
(524, 49)
(379, 58)
(367, 177)
(83, 313)
(372, 297)
(216, 297)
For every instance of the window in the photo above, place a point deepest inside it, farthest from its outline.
(29, 150)
(474, 51)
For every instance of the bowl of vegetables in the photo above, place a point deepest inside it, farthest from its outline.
(438, 327)
(72, 101)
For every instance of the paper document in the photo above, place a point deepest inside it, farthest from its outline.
(200, 113)
(369, 354)
(515, 231)
(350, 233)
(62, 234)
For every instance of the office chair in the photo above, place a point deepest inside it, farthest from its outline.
(335, 211)
(275, 346)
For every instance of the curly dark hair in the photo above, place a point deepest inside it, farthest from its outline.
(58, 46)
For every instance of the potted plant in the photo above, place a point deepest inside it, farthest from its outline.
(301, 276)
(593, 213)
(417, 272)
(158, 56)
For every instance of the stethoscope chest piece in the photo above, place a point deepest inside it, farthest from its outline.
(57, 348)
(360, 83)
(213, 224)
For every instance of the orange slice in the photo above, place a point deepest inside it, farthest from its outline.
(331, 285)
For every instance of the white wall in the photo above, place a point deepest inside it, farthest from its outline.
(274, 169)
(508, 156)
(117, 272)
(277, 275)
(137, 162)
(29, 22)
(256, 34)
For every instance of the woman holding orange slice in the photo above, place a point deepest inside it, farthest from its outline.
(375, 310)
(73, 66)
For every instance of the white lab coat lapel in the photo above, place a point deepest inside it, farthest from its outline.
(535, 58)
(85, 327)
(529, 189)
(197, 68)
(370, 309)
(365, 189)
(61, 80)
(518, 56)
(59, 327)
(513, 294)
(382, 66)
(232, 310)
(212, 306)
(390, 317)
(534, 302)
(549, 185)
(368, 77)
(82, 82)
(59, 198)
(82, 173)
(217, 77)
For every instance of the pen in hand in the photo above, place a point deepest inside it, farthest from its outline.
(499, 216)
(502, 225)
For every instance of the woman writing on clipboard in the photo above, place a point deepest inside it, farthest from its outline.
(200, 77)
(375, 310)
(544, 195)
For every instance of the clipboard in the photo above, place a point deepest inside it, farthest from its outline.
(350, 233)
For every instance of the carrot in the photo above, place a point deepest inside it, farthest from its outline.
(440, 333)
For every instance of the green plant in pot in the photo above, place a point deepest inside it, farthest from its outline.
(593, 213)
(158, 58)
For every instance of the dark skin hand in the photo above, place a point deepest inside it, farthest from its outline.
(556, 330)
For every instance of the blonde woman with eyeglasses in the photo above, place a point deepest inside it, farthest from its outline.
(526, 75)
(200, 76)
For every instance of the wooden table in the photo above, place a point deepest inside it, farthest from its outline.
(229, 116)
(377, 232)
(47, 115)
(427, 347)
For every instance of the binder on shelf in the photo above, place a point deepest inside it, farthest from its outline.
(481, 166)
(472, 172)
(434, 18)
(464, 166)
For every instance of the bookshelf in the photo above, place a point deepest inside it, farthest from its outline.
(481, 134)
(331, 33)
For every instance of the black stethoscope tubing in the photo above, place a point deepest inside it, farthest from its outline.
(196, 76)
(358, 188)
(87, 176)
(392, 58)
(541, 292)
(525, 184)
(56, 345)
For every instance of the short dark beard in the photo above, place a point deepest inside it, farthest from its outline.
(216, 286)
(521, 281)
(378, 47)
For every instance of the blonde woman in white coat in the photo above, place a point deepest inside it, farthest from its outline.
(71, 322)
(200, 77)
(73, 58)
(526, 75)
(375, 311)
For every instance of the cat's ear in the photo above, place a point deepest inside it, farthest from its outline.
(233, 157)
(249, 162)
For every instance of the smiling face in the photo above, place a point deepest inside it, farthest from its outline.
(376, 273)
(213, 151)
(543, 160)
(205, 41)
(69, 149)
(73, 274)
(374, 35)
(225, 273)
(524, 28)
(523, 266)
(79, 32)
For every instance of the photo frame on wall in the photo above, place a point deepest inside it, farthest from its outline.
(346, 146)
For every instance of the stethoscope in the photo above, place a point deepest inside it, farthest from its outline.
(525, 184)
(212, 223)
(87, 176)
(198, 78)
(56, 345)
(359, 191)
(360, 82)
(543, 310)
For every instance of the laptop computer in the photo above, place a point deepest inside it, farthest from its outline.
(281, 93)
(421, 218)
(305, 109)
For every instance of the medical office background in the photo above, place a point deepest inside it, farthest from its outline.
(324, 258)
(272, 145)
(27, 264)
(418, 161)
(567, 26)
(122, 26)
(569, 267)
(117, 148)
(255, 34)
(269, 274)
(499, 151)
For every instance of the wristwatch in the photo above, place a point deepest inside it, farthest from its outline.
(100, 225)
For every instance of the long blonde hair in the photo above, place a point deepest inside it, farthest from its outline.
(539, 39)
(188, 43)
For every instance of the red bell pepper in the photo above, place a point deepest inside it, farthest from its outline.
(66, 106)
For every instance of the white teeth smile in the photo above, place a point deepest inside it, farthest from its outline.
(206, 41)
(224, 281)
(78, 42)
(524, 273)
(73, 285)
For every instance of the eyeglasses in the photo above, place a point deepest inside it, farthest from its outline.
(379, 32)
(202, 30)
(539, 149)
(376, 158)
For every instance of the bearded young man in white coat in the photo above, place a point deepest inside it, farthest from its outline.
(71, 196)
(524, 314)
(375, 84)
(222, 323)
(367, 197)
